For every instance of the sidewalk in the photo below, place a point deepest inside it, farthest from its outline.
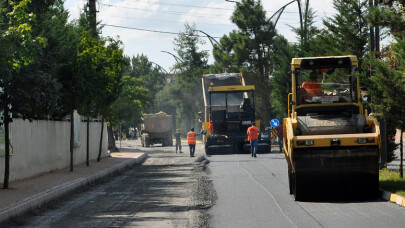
(25, 195)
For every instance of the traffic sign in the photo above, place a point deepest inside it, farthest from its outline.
(274, 123)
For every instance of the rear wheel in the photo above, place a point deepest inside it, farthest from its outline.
(147, 143)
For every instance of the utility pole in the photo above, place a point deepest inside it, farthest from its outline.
(92, 12)
(374, 33)
(93, 17)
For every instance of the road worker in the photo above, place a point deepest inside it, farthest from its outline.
(253, 137)
(312, 87)
(177, 135)
(191, 140)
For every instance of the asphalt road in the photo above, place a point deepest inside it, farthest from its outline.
(253, 192)
(167, 190)
(174, 190)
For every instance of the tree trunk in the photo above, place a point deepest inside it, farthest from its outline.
(101, 139)
(7, 149)
(88, 142)
(72, 129)
(401, 167)
(111, 139)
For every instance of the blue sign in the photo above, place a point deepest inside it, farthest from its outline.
(274, 123)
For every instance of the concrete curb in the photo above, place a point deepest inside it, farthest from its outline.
(394, 198)
(59, 191)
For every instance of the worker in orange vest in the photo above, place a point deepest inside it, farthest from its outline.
(312, 86)
(191, 140)
(253, 137)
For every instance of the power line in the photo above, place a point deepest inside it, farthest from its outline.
(143, 19)
(188, 6)
(199, 7)
(164, 11)
(173, 12)
(149, 30)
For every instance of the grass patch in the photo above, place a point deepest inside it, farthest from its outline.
(390, 181)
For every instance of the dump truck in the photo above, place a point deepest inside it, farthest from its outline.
(229, 111)
(330, 141)
(157, 128)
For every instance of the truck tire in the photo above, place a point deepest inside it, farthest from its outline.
(170, 141)
(147, 143)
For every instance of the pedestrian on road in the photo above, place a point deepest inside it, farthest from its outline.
(279, 130)
(177, 135)
(191, 140)
(253, 137)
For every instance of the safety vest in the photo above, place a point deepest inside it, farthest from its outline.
(253, 133)
(312, 87)
(191, 137)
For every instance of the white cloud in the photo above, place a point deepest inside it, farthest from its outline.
(74, 7)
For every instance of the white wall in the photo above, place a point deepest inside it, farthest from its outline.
(42, 146)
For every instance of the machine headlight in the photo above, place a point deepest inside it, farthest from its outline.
(365, 140)
(305, 142)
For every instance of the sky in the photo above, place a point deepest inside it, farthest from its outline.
(209, 16)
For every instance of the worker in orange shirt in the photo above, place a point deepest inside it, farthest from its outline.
(253, 137)
(312, 86)
(191, 140)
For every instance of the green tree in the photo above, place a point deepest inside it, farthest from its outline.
(130, 103)
(152, 76)
(105, 57)
(281, 77)
(19, 47)
(186, 90)
(88, 23)
(388, 90)
(390, 68)
(347, 31)
(391, 16)
(312, 44)
(250, 50)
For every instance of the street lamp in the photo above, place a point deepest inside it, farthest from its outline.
(160, 67)
(209, 37)
(174, 56)
(280, 11)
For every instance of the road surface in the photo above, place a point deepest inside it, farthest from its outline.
(253, 192)
(173, 190)
(168, 190)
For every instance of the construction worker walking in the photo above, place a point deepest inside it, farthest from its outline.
(178, 140)
(253, 137)
(191, 140)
